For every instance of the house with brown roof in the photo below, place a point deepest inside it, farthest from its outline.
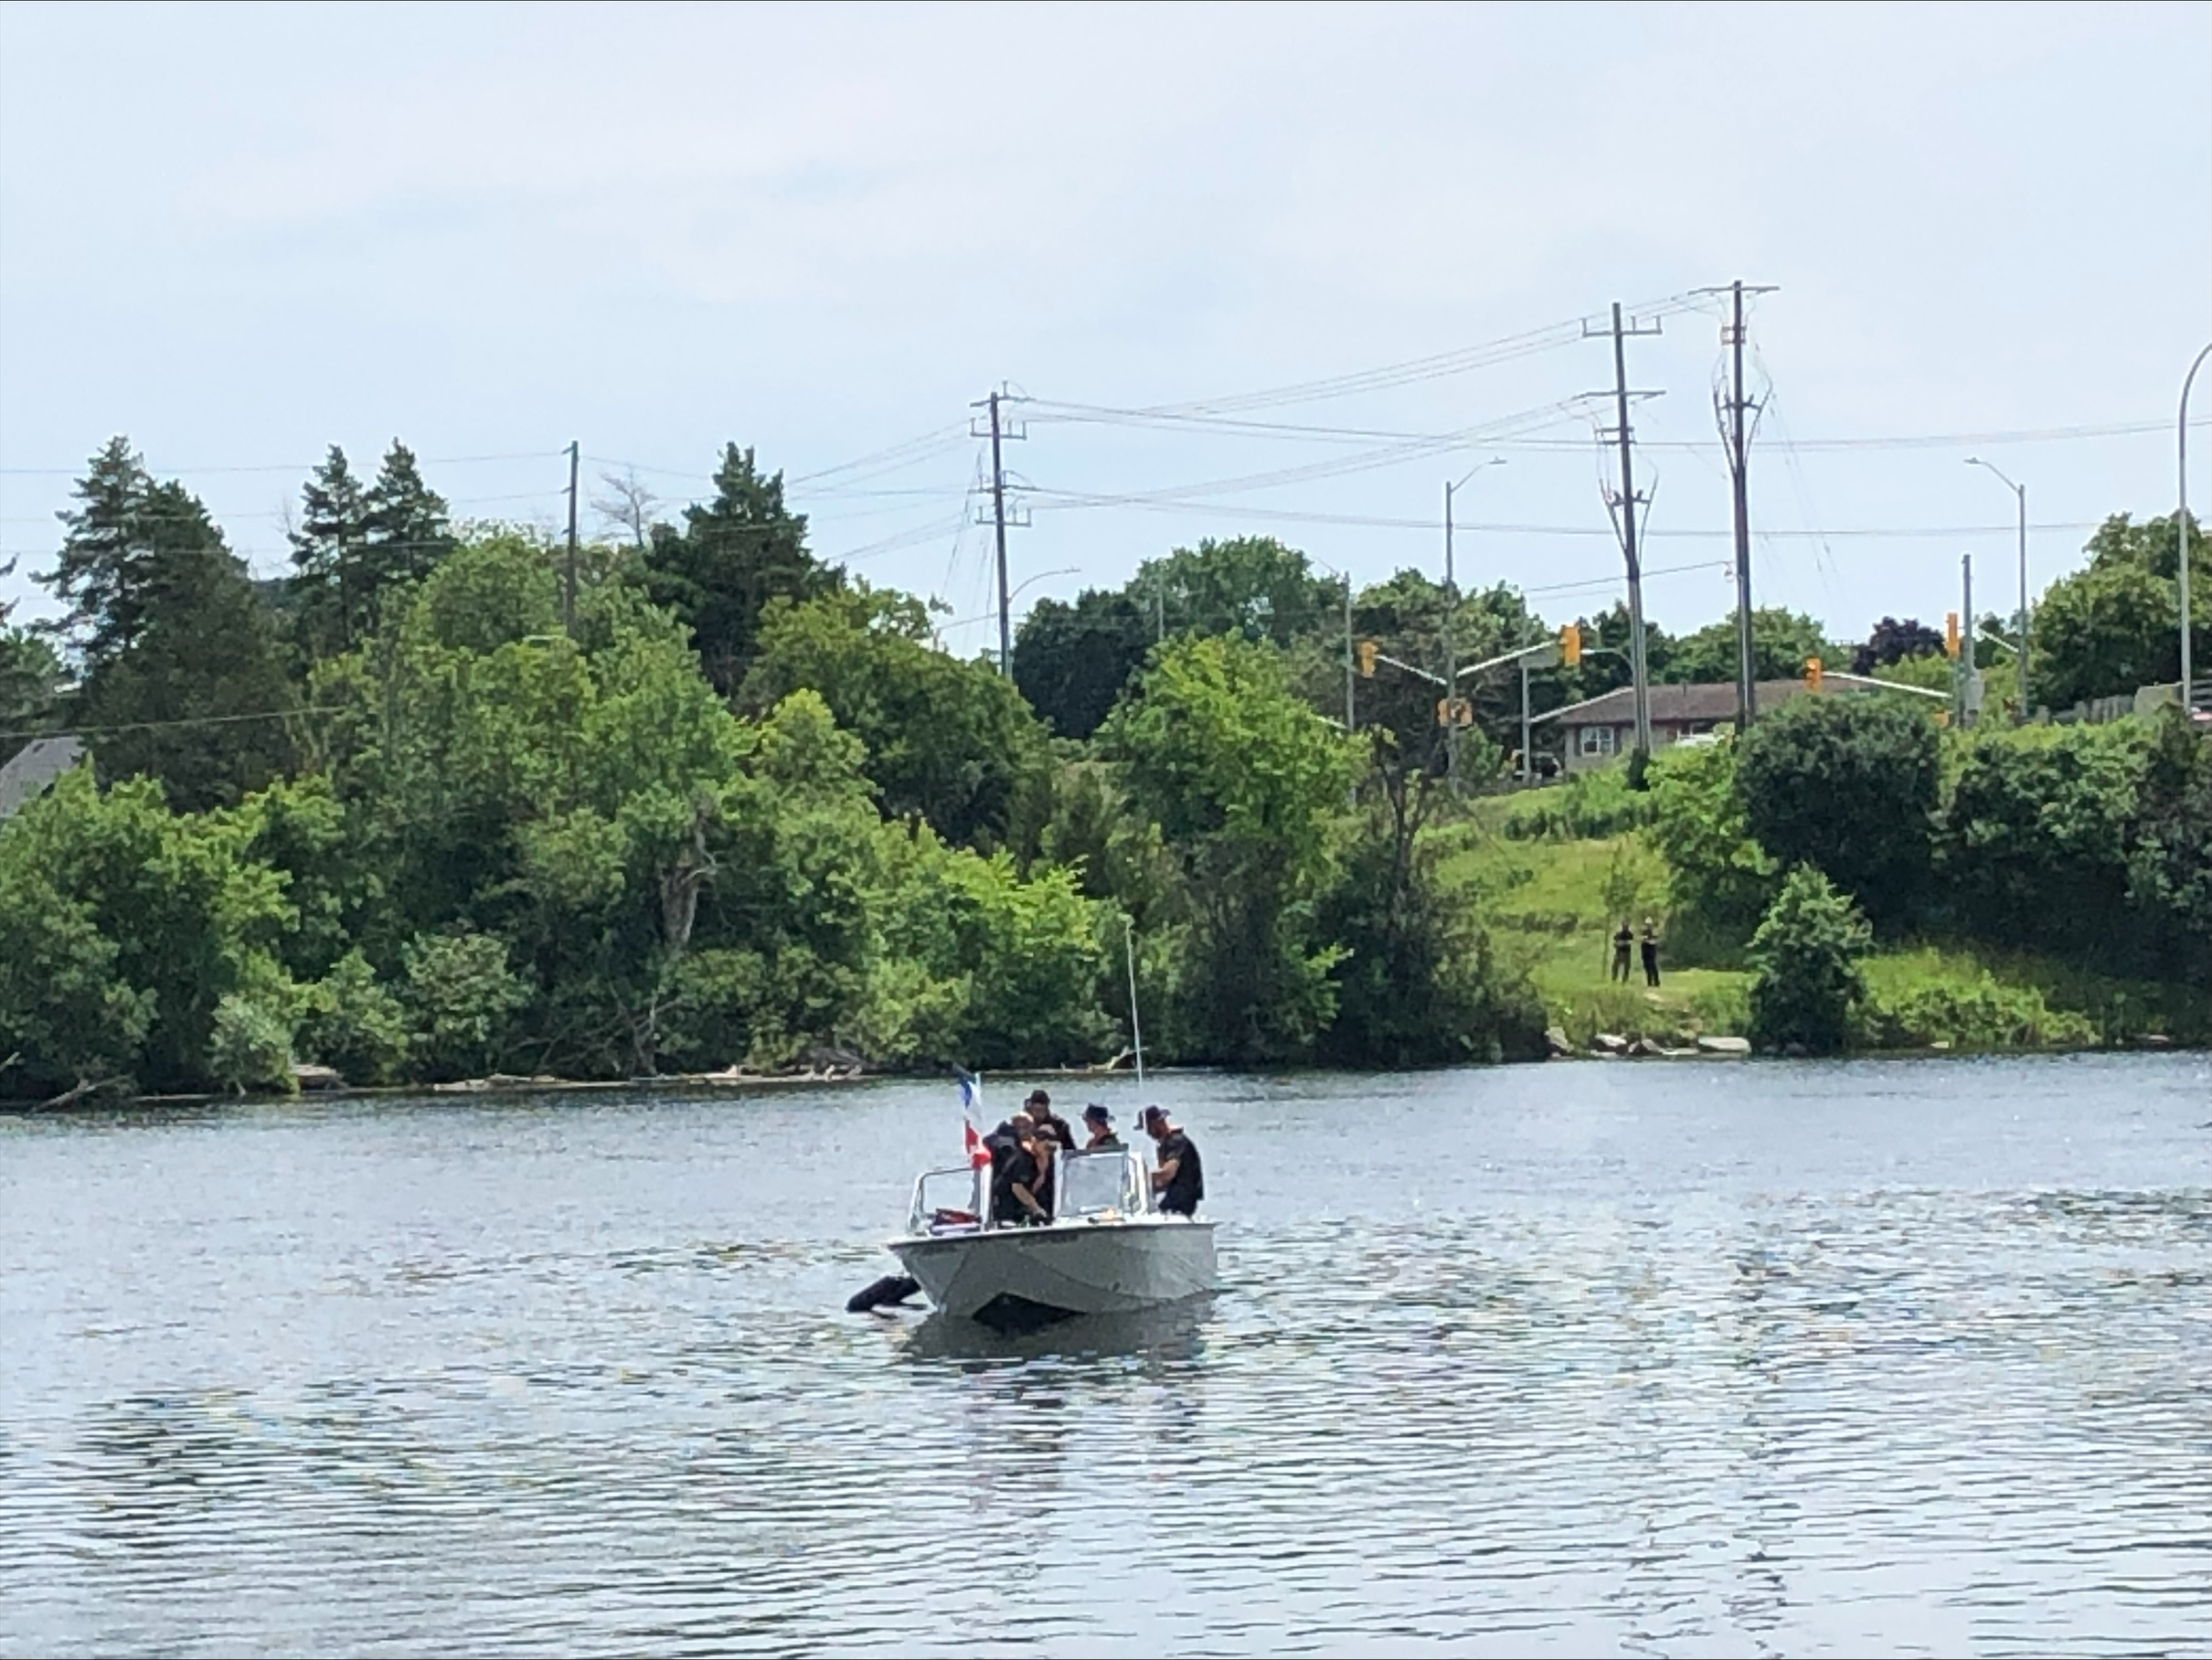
(1592, 733)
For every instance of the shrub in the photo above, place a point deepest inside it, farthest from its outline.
(1979, 1014)
(459, 997)
(1808, 987)
(1589, 806)
(1720, 882)
(1847, 784)
(355, 1023)
(249, 1047)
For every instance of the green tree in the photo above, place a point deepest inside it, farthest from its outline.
(2034, 839)
(149, 585)
(30, 684)
(1806, 986)
(1849, 785)
(1071, 661)
(405, 529)
(2170, 846)
(157, 917)
(945, 738)
(1781, 641)
(330, 606)
(1417, 984)
(2115, 625)
(460, 995)
(1719, 881)
(1251, 586)
(1243, 781)
(733, 556)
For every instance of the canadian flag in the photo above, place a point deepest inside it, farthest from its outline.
(972, 1116)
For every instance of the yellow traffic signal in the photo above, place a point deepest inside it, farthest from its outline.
(1951, 633)
(1571, 643)
(1812, 673)
(1367, 659)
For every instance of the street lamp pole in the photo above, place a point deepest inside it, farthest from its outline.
(2180, 519)
(2020, 497)
(1452, 728)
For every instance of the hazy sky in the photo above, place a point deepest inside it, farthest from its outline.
(241, 234)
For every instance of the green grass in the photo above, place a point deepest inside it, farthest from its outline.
(1545, 902)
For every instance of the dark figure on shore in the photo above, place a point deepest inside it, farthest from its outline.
(1623, 937)
(1049, 1122)
(1650, 946)
(1180, 1180)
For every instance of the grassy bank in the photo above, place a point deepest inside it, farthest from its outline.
(1552, 904)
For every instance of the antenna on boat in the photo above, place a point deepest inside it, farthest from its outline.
(1136, 1028)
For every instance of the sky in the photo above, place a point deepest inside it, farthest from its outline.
(241, 234)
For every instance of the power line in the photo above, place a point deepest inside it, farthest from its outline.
(181, 720)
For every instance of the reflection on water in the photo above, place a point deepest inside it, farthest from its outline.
(1684, 1360)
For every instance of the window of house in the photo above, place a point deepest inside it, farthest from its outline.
(1597, 740)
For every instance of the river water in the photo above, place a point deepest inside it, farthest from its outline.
(1585, 1359)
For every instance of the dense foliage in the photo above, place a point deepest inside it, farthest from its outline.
(1807, 985)
(401, 813)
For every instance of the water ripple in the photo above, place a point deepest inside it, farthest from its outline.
(1660, 1375)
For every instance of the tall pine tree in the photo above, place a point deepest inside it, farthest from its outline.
(407, 531)
(733, 555)
(330, 602)
(180, 676)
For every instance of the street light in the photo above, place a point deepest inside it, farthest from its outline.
(2020, 495)
(1451, 729)
(2181, 521)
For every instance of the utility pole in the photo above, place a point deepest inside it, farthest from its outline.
(1736, 436)
(567, 594)
(1351, 701)
(1628, 503)
(2181, 522)
(1970, 676)
(998, 523)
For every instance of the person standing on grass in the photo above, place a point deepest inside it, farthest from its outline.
(1623, 937)
(1650, 944)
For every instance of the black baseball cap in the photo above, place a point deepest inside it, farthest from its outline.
(1152, 1115)
(1096, 1114)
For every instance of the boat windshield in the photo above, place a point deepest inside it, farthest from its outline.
(1098, 1184)
(948, 1201)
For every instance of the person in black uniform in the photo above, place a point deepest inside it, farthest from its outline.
(1180, 1179)
(1049, 1122)
(1650, 945)
(1013, 1173)
(1623, 938)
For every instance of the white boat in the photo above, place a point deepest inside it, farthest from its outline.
(1107, 1251)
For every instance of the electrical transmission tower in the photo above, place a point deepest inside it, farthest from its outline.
(996, 431)
(1625, 503)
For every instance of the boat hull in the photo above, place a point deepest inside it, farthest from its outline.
(1069, 1268)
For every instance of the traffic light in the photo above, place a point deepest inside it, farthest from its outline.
(1367, 659)
(1571, 643)
(1812, 673)
(1950, 634)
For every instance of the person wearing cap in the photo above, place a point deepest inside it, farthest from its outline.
(1179, 1179)
(1049, 1122)
(1100, 1122)
(1015, 1173)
